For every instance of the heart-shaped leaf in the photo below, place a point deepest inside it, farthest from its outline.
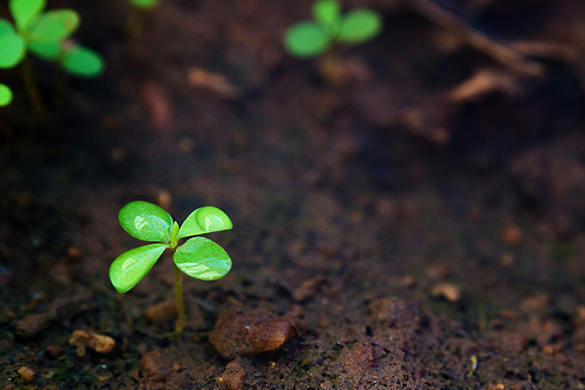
(360, 25)
(5, 95)
(25, 11)
(327, 12)
(144, 4)
(12, 50)
(46, 50)
(202, 259)
(130, 267)
(54, 25)
(206, 219)
(306, 39)
(146, 221)
(82, 61)
(6, 27)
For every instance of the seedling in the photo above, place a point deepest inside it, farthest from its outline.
(44, 34)
(311, 38)
(198, 257)
(136, 19)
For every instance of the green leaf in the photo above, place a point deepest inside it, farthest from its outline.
(202, 259)
(25, 11)
(146, 221)
(206, 219)
(5, 95)
(306, 39)
(327, 12)
(6, 27)
(130, 267)
(12, 51)
(144, 4)
(360, 25)
(82, 61)
(46, 50)
(54, 25)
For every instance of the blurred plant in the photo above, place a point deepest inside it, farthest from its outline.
(44, 34)
(5, 95)
(311, 38)
(136, 18)
(199, 257)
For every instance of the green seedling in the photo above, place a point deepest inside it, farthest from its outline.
(311, 38)
(136, 19)
(45, 34)
(198, 257)
(5, 95)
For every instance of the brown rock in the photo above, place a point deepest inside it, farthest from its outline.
(27, 374)
(161, 312)
(248, 332)
(234, 376)
(99, 343)
(153, 367)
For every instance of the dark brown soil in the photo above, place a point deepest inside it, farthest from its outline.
(407, 215)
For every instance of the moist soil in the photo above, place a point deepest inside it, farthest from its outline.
(365, 255)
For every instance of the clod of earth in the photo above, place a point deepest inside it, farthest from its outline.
(153, 367)
(97, 342)
(61, 309)
(248, 332)
(234, 376)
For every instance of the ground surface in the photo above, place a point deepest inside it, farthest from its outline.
(397, 231)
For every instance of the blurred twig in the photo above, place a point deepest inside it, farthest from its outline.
(499, 52)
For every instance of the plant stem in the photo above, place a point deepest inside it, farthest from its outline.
(179, 299)
(32, 89)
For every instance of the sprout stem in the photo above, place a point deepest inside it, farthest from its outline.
(32, 89)
(179, 299)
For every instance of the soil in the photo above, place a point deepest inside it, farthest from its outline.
(392, 229)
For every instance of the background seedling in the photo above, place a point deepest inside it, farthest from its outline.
(311, 38)
(136, 18)
(198, 257)
(44, 34)
(5, 95)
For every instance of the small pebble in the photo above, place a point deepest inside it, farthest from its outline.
(449, 291)
(99, 343)
(26, 374)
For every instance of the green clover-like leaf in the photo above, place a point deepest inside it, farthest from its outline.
(25, 11)
(46, 50)
(5, 95)
(202, 259)
(6, 27)
(82, 61)
(144, 4)
(12, 50)
(327, 12)
(206, 219)
(130, 267)
(146, 221)
(360, 25)
(54, 25)
(306, 39)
